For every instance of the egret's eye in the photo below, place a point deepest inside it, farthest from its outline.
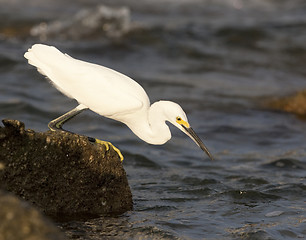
(180, 121)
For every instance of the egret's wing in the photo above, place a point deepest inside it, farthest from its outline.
(103, 90)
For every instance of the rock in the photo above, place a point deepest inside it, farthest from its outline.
(20, 221)
(62, 173)
(295, 104)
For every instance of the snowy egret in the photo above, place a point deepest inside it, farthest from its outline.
(110, 94)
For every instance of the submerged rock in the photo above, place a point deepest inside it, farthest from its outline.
(21, 221)
(295, 104)
(62, 173)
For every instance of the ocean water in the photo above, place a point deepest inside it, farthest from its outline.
(219, 60)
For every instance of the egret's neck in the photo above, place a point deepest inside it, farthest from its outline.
(151, 126)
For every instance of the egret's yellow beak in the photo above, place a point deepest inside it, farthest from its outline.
(191, 133)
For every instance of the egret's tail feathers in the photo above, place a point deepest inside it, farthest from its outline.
(42, 57)
(50, 62)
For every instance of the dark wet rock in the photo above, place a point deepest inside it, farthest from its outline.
(295, 104)
(62, 173)
(21, 221)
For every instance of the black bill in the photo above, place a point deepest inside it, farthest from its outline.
(197, 140)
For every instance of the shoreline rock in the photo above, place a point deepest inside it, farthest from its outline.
(62, 174)
(20, 220)
(295, 104)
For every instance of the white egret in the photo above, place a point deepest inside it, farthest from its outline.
(110, 94)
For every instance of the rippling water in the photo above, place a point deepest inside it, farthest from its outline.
(219, 60)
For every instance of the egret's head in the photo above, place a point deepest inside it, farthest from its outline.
(178, 118)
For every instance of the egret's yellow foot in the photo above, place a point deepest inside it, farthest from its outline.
(107, 144)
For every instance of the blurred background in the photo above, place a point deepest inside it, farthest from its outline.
(229, 63)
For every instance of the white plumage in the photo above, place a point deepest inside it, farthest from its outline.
(80, 80)
(110, 94)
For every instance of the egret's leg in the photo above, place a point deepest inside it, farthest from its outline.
(57, 123)
(107, 144)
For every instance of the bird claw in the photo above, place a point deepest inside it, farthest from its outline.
(107, 144)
